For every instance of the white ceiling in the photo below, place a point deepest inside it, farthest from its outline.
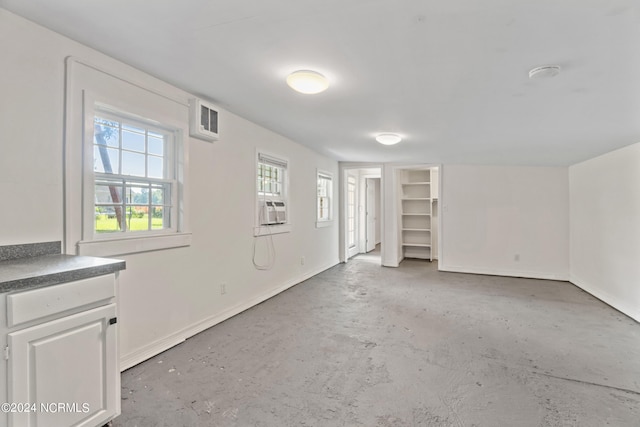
(451, 76)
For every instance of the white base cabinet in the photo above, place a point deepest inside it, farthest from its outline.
(62, 366)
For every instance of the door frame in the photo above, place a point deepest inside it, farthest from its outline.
(345, 169)
(392, 233)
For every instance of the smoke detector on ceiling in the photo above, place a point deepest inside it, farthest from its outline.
(546, 71)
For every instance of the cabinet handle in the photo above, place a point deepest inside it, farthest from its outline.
(113, 320)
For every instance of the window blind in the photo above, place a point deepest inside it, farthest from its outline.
(272, 161)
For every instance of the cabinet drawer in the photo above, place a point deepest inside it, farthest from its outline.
(31, 305)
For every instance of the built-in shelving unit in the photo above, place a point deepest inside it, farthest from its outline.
(416, 210)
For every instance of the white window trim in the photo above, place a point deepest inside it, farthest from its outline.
(266, 230)
(79, 204)
(321, 223)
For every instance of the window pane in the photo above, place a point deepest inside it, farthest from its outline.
(106, 132)
(323, 208)
(157, 196)
(133, 164)
(155, 167)
(137, 195)
(156, 144)
(108, 194)
(322, 188)
(137, 218)
(107, 219)
(157, 218)
(133, 141)
(105, 160)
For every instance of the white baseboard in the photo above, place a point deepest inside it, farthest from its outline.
(152, 349)
(500, 272)
(611, 300)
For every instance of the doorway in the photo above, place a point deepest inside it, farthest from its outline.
(363, 213)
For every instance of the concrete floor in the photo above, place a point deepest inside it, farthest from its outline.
(363, 345)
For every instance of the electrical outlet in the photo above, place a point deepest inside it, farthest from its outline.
(223, 288)
(301, 260)
(516, 257)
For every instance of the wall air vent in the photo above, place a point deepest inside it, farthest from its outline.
(203, 120)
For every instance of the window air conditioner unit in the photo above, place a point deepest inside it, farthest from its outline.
(203, 123)
(272, 212)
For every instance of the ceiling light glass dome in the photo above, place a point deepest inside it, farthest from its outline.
(388, 138)
(307, 81)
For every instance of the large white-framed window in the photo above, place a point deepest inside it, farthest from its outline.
(126, 156)
(134, 169)
(272, 194)
(324, 200)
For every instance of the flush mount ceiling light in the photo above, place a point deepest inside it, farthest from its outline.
(307, 81)
(544, 72)
(388, 138)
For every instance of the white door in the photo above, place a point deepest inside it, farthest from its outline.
(371, 214)
(352, 219)
(68, 369)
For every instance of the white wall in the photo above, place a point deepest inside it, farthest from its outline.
(168, 295)
(605, 228)
(492, 215)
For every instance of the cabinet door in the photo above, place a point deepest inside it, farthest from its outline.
(66, 370)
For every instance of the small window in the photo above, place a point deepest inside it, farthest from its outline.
(133, 169)
(324, 199)
(270, 180)
(272, 195)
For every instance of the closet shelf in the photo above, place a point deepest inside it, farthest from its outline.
(416, 206)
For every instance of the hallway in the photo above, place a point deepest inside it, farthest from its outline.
(363, 345)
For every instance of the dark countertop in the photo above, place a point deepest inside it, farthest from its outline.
(46, 270)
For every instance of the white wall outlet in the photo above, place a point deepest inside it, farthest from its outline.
(223, 288)
(516, 257)
(301, 260)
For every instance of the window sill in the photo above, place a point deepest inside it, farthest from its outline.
(266, 230)
(131, 245)
(322, 224)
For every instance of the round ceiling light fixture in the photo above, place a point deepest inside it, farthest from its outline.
(307, 81)
(546, 71)
(388, 138)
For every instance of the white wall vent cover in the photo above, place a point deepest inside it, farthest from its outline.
(203, 120)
